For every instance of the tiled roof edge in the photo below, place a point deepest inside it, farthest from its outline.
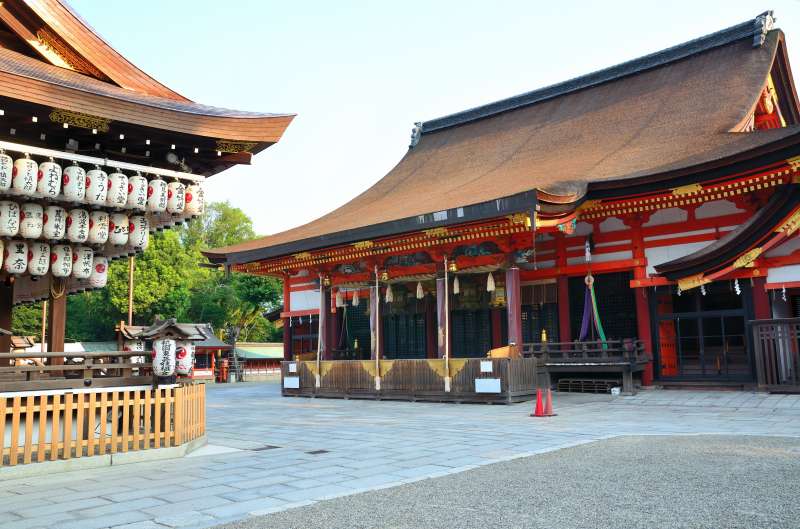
(756, 28)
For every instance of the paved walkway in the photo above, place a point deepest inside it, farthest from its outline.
(270, 453)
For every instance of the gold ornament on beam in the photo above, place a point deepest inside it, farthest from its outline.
(794, 163)
(363, 245)
(746, 260)
(688, 283)
(791, 225)
(687, 190)
(79, 119)
(233, 146)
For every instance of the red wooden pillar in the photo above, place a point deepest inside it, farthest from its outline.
(514, 306)
(287, 329)
(562, 284)
(430, 327)
(761, 305)
(441, 332)
(6, 308)
(642, 295)
(322, 321)
(643, 328)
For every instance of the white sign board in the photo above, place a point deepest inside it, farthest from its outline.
(486, 366)
(293, 368)
(291, 382)
(487, 385)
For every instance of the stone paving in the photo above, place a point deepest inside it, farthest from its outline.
(269, 453)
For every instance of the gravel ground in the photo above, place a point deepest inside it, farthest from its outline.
(661, 482)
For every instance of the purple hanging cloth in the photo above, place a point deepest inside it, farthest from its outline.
(588, 315)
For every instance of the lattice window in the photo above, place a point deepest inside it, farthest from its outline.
(615, 301)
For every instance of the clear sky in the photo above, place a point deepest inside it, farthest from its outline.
(358, 74)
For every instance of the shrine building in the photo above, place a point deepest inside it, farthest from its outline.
(655, 201)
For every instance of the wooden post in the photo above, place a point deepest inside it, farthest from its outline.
(322, 328)
(6, 307)
(514, 306)
(446, 328)
(441, 317)
(761, 305)
(131, 267)
(562, 284)
(58, 320)
(287, 330)
(43, 338)
(642, 298)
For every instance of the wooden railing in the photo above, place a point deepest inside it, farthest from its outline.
(622, 357)
(610, 351)
(44, 427)
(776, 345)
(36, 371)
(471, 379)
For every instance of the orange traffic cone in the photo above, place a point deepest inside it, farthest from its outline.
(548, 405)
(539, 410)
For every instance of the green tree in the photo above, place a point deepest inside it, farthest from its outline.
(169, 282)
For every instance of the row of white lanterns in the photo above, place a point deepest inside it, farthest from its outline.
(25, 177)
(62, 260)
(169, 356)
(33, 221)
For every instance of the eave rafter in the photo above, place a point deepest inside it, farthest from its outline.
(692, 195)
(437, 241)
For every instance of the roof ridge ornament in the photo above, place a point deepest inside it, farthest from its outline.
(763, 24)
(416, 133)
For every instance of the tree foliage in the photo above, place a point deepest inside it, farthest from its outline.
(169, 282)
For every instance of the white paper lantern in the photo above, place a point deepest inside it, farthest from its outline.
(195, 200)
(157, 195)
(82, 262)
(9, 218)
(184, 357)
(163, 358)
(15, 257)
(117, 190)
(98, 227)
(55, 222)
(118, 229)
(24, 176)
(137, 192)
(139, 232)
(73, 183)
(99, 275)
(78, 225)
(176, 197)
(6, 169)
(31, 220)
(61, 260)
(96, 186)
(49, 184)
(38, 258)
